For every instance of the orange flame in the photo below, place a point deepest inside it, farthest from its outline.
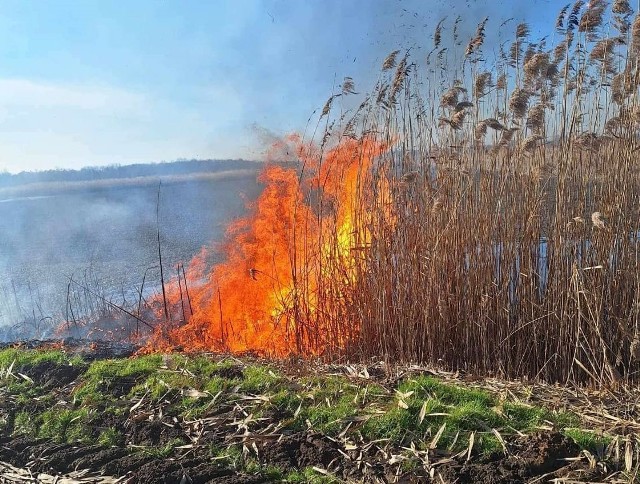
(265, 296)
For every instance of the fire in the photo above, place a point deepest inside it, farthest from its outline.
(267, 296)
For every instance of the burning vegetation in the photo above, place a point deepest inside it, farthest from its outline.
(474, 212)
(477, 213)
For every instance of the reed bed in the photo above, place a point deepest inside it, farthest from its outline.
(496, 230)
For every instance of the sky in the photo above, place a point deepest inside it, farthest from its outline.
(100, 82)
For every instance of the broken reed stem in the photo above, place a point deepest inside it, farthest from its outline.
(184, 314)
(164, 293)
(111, 304)
(186, 288)
(222, 329)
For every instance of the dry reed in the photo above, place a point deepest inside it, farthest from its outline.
(481, 259)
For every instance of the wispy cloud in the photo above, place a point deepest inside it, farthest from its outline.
(25, 93)
(47, 124)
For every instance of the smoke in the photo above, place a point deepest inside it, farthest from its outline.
(107, 228)
(103, 234)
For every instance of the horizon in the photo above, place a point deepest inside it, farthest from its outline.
(125, 165)
(85, 85)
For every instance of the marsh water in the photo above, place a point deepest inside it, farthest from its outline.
(105, 237)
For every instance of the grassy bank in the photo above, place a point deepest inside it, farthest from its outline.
(230, 411)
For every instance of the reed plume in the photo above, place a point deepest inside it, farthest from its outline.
(482, 83)
(596, 220)
(522, 31)
(530, 143)
(478, 39)
(536, 117)
(450, 97)
(561, 18)
(621, 7)
(518, 102)
(437, 35)
(592, 18)
(390, 61)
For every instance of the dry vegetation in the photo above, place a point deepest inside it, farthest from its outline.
(503, 236)
(477, 213)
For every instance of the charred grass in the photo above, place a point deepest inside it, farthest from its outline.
(277, 422)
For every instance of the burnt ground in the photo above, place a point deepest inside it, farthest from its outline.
(539, 456)
(241, 435)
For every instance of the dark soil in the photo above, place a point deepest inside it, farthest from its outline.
(50, 374)
(153, 433)
(531, 457)
(89, 349)
(119, 387)
(230, 373)
(301, 450)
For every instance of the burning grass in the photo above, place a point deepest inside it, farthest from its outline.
(276, 422)
(456, 219)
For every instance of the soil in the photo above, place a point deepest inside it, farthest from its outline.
(50, 375)
(88, 349)
(529, 458)
(301, 450)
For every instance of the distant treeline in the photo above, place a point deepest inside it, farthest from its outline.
(180, 167)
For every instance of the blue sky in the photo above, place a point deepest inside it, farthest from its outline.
(101, 82)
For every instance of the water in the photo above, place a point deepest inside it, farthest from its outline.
(105, 236)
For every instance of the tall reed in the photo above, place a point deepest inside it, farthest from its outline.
(498, 230)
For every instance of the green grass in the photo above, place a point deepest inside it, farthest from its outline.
(588, 440)
(327, 403)
(230, 457)
(164, 451)
(259, 379)
(431, 403)
(272, 473)
(21, 357)
(101, 373)
(414, 413)
(310, 476)
(111, 437)
(64, 425)
(24, 424)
